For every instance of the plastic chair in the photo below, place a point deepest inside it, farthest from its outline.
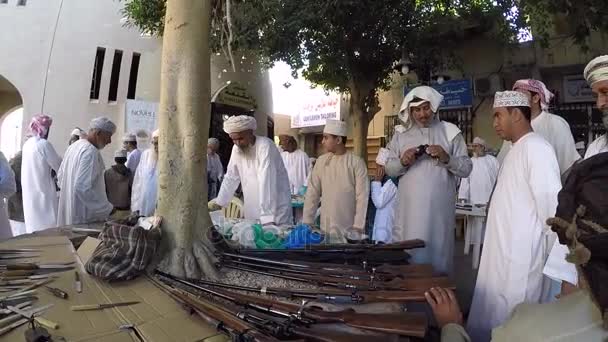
(234, 209)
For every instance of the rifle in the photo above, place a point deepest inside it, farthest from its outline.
(406, 324)
(348, 248)
(221, 320)
(383, 271)
(416, 284)
(328, 295)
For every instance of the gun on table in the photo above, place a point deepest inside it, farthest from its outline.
(381, 272)
(417, 284)
(349, 248)
(328, 295)
(238, 329)
(406, 324)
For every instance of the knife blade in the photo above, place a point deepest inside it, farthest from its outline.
(89, 307)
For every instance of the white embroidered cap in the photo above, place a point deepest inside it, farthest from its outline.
(336, 127)
(510, 98)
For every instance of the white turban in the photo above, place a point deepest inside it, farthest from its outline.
(597, 70)
(537, 87)
(427, 94)
(120, 154)
(213, 141)
(77, 132)
(129, 137)
(155, 134)
(240, 123)
(336, 127)
(479, 141)
(103, 124)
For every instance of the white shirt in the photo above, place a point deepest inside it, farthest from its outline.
(145, 184)
(215, 167)
(478, 187)
(518, 240)
(297, 164)
(133, 159)
(557, 132)
(385, 201)
(7, 189)
(38, 187)
(598, 146)
(82, 198)
(264, 180)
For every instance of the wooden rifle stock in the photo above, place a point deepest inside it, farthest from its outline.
(409, 244)
(214, 316)
(406, 324)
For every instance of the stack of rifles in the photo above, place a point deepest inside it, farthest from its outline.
(253, 314)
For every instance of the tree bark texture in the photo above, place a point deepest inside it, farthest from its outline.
(184, 119)
(359, 119)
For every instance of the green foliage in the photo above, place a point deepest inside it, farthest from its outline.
(581, 17)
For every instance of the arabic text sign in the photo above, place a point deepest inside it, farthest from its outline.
(317, 111)
(456, 93)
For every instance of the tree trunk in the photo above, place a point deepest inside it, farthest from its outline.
(184, 125)
(359, 119)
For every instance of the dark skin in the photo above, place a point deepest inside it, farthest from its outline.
(445, 306)
(600, 91)
(333, 144)
(535, 104)
(511, 124)
(423, 116)
(379, 173)
(129, 146)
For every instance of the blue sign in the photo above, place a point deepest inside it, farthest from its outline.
(456, 93)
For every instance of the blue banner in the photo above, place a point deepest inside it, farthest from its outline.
(456, 93)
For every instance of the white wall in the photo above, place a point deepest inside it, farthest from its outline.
(64, 35)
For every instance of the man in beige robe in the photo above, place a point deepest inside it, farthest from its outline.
(341, 179)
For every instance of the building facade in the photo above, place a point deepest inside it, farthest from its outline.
(75, 60)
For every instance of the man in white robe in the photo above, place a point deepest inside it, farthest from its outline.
(82, 198)
(257, 166)
(296, 162)
(596, 74)
(144, 194)
(215, 169)
(39, 191)
(518, 240)
(476, 190)
(7, 188)
(339, 182)
(428, 157)
(551, 127)
(384, 197)
(129, 143)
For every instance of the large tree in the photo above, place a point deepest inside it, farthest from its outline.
(184, 118)
(347, 45)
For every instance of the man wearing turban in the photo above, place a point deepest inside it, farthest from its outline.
(215, 169)
(596, 74)
(39, 191)
(255, 164)
(518, 240)
(549, 126)
(428, 157)
(145, 184)
(82, 198)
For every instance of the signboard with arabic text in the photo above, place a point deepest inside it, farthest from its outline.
(316, 111)
(456, 93)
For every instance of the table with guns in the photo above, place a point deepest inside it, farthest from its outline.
(338, 282)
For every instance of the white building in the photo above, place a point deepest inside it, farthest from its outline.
(74, 60)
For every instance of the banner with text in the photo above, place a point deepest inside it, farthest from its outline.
(456, 93)
(316, 110)
(141, 115)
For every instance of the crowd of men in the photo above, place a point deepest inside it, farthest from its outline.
(420, 175)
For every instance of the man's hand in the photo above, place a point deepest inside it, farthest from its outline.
(567, 289)
(445, 306)
(438, 152)
(212, 206)
(379, 173)
(408, 157)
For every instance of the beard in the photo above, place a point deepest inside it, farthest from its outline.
(605, 117)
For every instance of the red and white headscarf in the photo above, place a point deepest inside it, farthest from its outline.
(537, 87)
(40, 124)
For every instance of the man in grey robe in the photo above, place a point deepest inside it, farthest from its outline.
(428, 157)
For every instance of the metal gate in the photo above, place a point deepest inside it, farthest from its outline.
(462, 117)
(585, 120)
